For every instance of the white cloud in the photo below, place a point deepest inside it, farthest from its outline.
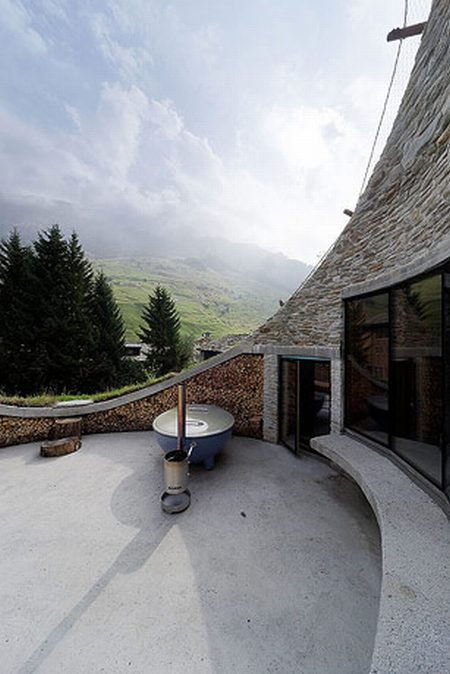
(190, 131)
(127, 60)
(17, 20)
(112, 137)
(55, 8)
(304, 136)
(166, 118)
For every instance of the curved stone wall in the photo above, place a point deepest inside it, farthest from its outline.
(404, 212)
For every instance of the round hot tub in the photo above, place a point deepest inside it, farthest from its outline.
(208, 426)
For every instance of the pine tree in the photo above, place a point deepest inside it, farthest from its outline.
(60, 328)
(17, 334)
(185, 351)
(161, 331)
(79, 317)
(56, 365)
(109, 336)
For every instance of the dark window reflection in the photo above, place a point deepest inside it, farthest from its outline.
(322, 397)
(446, 392)
(416, 376)
(314, 399)
(367, 366)
(305, 401)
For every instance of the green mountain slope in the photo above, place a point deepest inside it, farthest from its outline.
(220, 302)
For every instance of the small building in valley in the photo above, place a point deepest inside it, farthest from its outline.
(205, 347)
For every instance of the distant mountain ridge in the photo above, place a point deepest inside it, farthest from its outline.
(259, 264)
(212, 294)
(220, 286)
(219, 255)
(169, 243)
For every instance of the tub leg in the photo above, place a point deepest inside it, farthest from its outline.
(209, 463)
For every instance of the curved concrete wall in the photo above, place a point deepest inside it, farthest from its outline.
(414, 621)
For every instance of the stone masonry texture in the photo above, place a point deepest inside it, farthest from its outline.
(236, 385)
(270, 432)
(404, 211)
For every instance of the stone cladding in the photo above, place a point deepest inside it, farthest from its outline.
(236, 385)
(404, 212)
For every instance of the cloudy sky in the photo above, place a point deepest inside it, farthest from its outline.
(246, 119)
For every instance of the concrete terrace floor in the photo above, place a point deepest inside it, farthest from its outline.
(95, 578)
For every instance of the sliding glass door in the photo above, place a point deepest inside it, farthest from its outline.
(305, 401)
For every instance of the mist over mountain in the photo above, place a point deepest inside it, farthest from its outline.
(169, 242)
(254, 262)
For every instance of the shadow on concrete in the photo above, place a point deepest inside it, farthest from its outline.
(140, 513)
(251, 504)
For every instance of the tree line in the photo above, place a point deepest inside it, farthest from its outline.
(61, 329)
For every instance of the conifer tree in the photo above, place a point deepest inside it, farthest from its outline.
(17, 335)
(109, 336)
(50, 308)
(79, 318)
(60, 328)
(161, 331)
(58, 301)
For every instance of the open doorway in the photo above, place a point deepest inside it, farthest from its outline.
(304, 400)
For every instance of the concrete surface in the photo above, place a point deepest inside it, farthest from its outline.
(413, 630)
(275, 567)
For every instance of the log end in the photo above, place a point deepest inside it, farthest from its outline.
(60, 447)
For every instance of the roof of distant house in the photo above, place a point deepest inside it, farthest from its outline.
(205, 343)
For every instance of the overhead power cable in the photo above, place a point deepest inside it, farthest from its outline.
(386, 101)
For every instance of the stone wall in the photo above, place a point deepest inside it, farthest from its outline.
(271, 388)
(236, 385)
(404, 211)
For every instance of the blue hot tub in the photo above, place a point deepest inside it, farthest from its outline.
(206, 425)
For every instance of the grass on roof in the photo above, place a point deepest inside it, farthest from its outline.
(47, 399)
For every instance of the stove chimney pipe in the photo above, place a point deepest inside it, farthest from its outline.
(181, 437)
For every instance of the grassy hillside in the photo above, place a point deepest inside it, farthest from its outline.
(208, 300)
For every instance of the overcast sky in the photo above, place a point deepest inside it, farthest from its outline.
(246, 119)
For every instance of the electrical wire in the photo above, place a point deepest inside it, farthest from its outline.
(386, 101)
(380, 124)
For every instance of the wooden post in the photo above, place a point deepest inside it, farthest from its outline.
(407, 31)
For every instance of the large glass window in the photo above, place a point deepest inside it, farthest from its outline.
(416, 380)
(446, 394)
(397, 378)
(367, 366)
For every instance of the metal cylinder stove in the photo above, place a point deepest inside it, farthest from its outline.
(177, 496)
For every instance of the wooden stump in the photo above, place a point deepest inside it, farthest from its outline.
(66, 428)
(60, 447)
